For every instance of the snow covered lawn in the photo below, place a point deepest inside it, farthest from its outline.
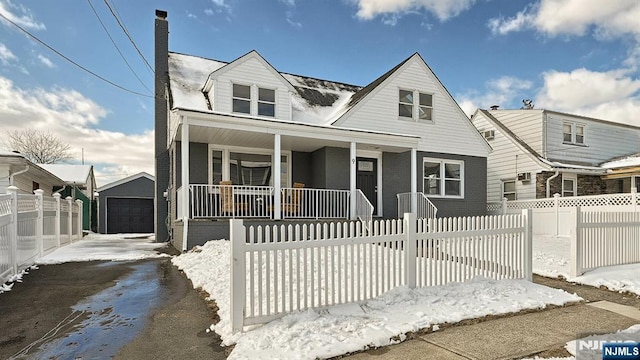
(347, 328)
(551, 258)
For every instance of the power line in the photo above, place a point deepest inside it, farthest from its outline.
(128, 35)
(71, 61)
(117, 48)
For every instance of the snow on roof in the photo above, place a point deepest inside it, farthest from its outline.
(316, 101)
(187, 75)
(628, 161)
(125, 180)
(71, 174)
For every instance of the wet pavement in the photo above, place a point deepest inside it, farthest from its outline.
(111, 318)
(102, 310)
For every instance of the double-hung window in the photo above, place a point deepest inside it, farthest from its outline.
(244, 166)
(241, 99)
(266, 102)
(443, 178)
(415, 105)
(509, 189)
(573, 133)
(569, 184)
(245, 102)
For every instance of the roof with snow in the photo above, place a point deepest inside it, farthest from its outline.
(126, 180)
(315, 101)
(71, 174)
(623, 162)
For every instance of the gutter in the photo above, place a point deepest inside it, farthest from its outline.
(17, 173)
(549, 183)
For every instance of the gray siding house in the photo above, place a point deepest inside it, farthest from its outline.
(127, 205)
(241, 139)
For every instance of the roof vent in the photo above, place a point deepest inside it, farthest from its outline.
(495, 107)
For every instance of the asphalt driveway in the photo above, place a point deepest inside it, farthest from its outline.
(143, 309)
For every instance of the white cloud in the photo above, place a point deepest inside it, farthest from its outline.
(503, 91)
(208, 12)
(289, 2)
(574, 17)
(611, 95)
(73, 119)
(222, 4)
(20, 15)
(442, 9)
(45, 61)
(6, 56)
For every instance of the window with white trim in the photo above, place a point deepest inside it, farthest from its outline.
(509, 189)
(266, 102)
(244, 166)
(569, 185)
(573, 133)
(415, 105)
(444, 178)
(241, 99)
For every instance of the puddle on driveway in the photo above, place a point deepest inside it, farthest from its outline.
(112, 318)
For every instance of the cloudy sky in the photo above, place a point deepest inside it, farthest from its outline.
(577, 56)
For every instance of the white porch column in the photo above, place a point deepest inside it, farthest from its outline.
(277, 163)
(184, 176)
(352, 181)
(414, 181)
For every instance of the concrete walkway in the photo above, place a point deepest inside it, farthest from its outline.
(513, 337)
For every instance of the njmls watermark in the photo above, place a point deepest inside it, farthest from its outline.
(618, 346)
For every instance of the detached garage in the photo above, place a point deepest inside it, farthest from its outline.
(126, 205)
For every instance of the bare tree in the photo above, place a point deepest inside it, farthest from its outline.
(38, 146)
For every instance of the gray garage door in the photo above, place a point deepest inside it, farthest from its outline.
(129, 215)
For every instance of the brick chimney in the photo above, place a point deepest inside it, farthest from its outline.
(161, 151)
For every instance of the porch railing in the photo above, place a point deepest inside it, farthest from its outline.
(364, 209)
(424, 207)
(239, 201)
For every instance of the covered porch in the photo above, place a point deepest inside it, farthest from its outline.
(224, 168)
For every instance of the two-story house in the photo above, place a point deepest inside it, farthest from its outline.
(241, 139)
(538, 153)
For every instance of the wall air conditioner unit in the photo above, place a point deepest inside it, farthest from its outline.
(524, 177)
(489, 134)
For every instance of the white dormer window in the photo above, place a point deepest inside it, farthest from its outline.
(241, 99)
(266, 102)
(573, 133)
(415, 105)
(245, 100)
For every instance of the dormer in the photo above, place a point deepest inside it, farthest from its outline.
(249, 86)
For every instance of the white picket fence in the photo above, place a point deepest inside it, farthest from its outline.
(276, 270)
(32, 226)
(603, 239)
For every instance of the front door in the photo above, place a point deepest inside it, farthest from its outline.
(367, 179)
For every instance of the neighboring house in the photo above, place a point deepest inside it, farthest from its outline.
(16, 170)
(80, 184)
(126, 205)
(345, 151)
(538, 153)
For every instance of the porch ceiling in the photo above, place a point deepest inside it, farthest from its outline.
(260, 139)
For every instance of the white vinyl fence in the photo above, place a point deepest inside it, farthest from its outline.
(552, 216)
(279, 269)
(31, 226)
(603, 239)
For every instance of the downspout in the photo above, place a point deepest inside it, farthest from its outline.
(17, 173)
(60, 190)
(549, 183)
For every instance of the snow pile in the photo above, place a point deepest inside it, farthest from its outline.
(618, 278)
(347, 328)
(15, 278)
(114, 247)
(551, 258)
